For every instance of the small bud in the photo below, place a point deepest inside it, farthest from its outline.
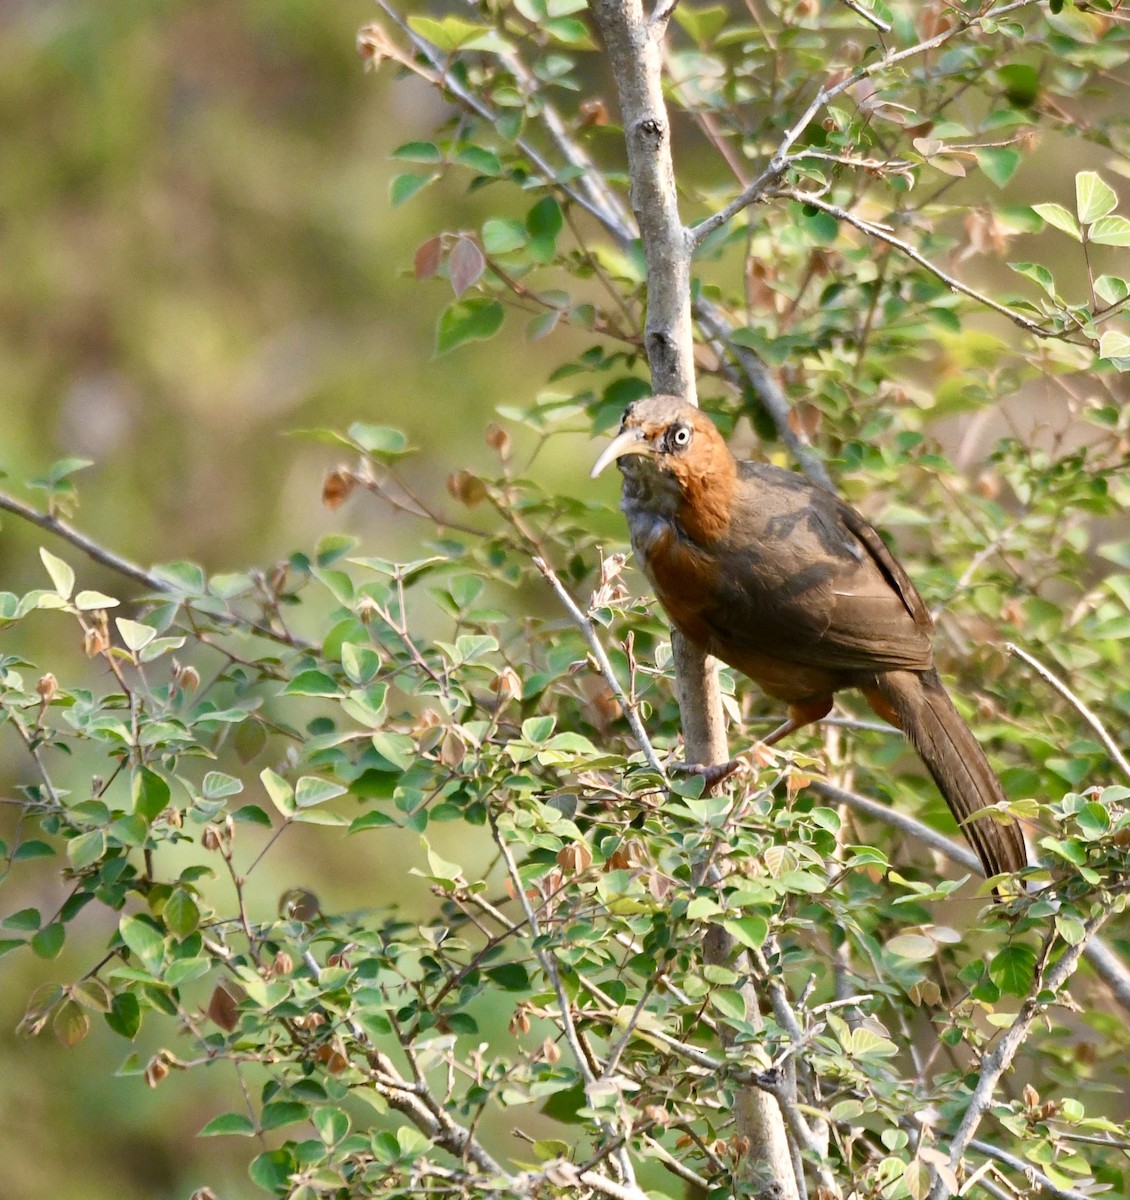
(223, 1008)
(333, 1058)
(574, 858)
(366, 608)
(47, 688)
(187, 678)
(337, 486)
(593, 112)
(498, 439)
(157, 1070)
(468, 489)
(519, 1022)
(374, 46)
(452, 749)
(550, 1051)
(283, 964)
(506, 685)
(1031, 1096)
(210, 838)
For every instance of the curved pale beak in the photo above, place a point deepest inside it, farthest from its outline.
(627, 441)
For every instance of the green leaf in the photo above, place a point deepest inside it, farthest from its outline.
(404, 187)
(26, 919)
(1058, 216)
(280, 792)
(150, 793)
(86, 849)
(48, 942)
(62, 576)
(865, 1043)
(272, 1171)
(144, 939)
(545, 219)
(424, 152)
(398, 748)
(381, 441)
(1111, 289)
(915, 947)
(1114, 344)
(311, 683)
(537, 729)
(1110, 231)
(511, 977)
(311, 790)
(277, 1113)
(502, 237)
(86, 601)
(1013, 969)
(729, 1003)
(479, 159)
(33, 848)
(229, 1123)
(702, 24)
(218, 786)
(1094, 197)
(135, 635)
(1037, 273)
(453, 33)
(750, 931)
(474, 320)
(999, 163)
(180, 914)
(124, 1017)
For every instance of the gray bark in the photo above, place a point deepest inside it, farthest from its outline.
(634, 46)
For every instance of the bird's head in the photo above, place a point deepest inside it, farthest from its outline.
(667, 444)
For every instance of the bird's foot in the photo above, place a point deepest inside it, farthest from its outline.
(712, 773)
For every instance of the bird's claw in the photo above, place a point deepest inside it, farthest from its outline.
(712, 773)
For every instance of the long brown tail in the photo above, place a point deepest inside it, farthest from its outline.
(952, 755)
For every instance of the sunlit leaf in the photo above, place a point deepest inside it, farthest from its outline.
(1094, 197)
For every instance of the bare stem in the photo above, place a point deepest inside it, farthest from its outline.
(1087, 714)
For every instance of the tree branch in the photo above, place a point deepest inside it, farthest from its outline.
(1030, 1172)
(586, 627)
(778, 164)
(999, 1059)
(130, 570)
(883, 234)
(1112, 747)
(1104, 962)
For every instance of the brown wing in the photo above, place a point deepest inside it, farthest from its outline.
(806, 580)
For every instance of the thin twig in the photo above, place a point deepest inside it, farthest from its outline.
(778, 164)
(130, 570)
(1031, 1173)
(1090, 717)
(589, 630)
(883, 233)
(448, 81)
(870, 17)
(1106, 964)
(999, 1058)
(549, 966)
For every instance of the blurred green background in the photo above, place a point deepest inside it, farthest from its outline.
(197, 255)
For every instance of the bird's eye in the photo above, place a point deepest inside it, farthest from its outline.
(681, 437)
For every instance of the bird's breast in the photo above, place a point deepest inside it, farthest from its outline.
(684, 576)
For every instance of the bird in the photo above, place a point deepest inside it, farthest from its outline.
(785, 582)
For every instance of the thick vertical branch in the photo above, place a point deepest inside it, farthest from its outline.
(634, 47)
(635, 51)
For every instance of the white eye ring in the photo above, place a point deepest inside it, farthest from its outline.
(681, 437)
